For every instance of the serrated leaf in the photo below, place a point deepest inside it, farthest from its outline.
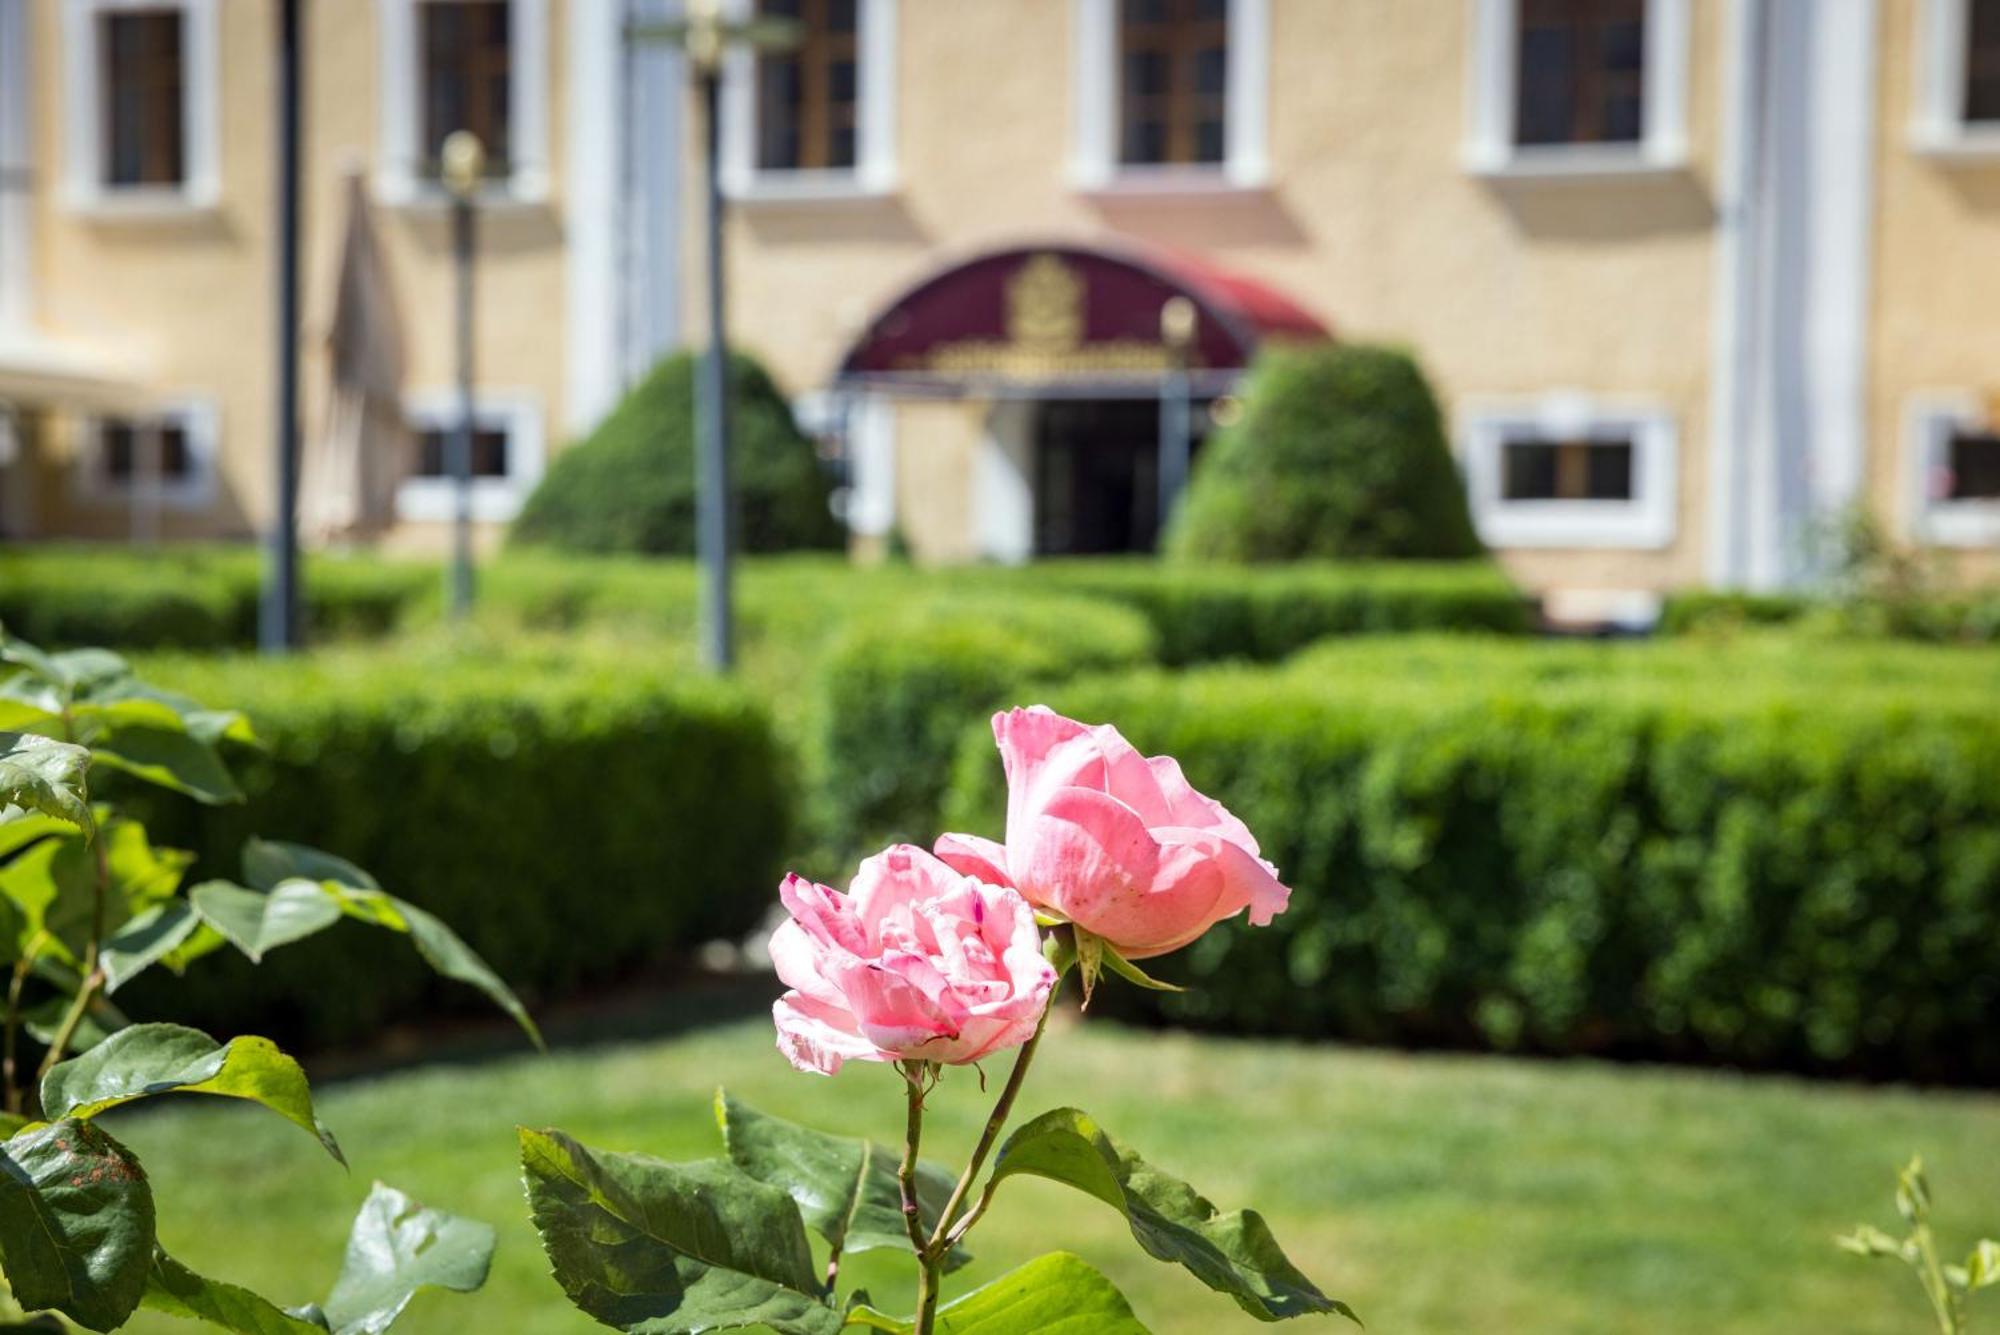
(168, 758)
(76, 1223)
(846, 1188)
(152, 1059)
(42, 774)
(175, 1290)
(396, 1248)
(257, 923)
(671, 1249)
(145, 941)
(1057, 1294)
(1232, 1253)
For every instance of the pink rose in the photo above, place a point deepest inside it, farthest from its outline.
(1116, 842)
(916, 962)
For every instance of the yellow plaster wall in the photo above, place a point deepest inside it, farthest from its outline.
(192, 297)
(1371, 221)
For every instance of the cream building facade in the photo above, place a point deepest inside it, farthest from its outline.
(1690, 275)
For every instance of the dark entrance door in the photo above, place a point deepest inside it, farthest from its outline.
(1097, 471)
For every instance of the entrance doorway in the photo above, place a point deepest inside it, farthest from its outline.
(1097, 475)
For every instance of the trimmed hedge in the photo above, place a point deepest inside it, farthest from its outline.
(1691, 851)
(1969, 616)
(1205, 613)
(1340, 453)
(897, 690)
(629, 486)
(572, 817)
(194, 597)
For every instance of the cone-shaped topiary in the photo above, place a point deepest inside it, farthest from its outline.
(1340, 452)
(629, 486)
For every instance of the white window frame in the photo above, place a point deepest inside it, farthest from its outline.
(874, 173)
(1929, 419)
(201, 423)
(1645, 522)
(1937, 113)
(1246, 162)
(399, 177)
(84, 188)
(495, 500)
(1490, 147)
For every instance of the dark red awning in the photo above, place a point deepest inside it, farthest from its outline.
(1068, 318)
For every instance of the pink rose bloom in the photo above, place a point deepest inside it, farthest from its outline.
(1116, 842)
(916, 962)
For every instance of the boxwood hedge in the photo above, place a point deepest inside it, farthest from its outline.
(1708, 851)
(574, 817)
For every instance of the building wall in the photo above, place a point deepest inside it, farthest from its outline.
(1505, 288)
(190, 297)
(1936, 325)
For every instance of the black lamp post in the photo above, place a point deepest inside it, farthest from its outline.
(278, 618)
(1177, 329)
(704, 35)
(464, 166)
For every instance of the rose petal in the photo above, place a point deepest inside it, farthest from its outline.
(1196, 810)
(1249, 882)
(970, 855)
(817, 1037)
(1087, 855)
(798, 961)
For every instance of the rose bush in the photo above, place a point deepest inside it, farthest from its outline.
(1117, 843)
(930, 962)
(916, 963)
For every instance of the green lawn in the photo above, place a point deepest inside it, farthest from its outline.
(1436, 1193)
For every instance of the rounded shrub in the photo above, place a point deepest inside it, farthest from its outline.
(1340, 452)
(629, 486)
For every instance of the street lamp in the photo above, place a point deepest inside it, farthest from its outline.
(703, 35)
(1177, 329)
(464, 166)
(278, 612)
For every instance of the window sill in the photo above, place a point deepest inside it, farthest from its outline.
(1960, 524)
(1171, 183)
(142, 205)
(1956, 143)
(1557, 165)
(1619, 525)
(806, 187)
(520, 192)
(432, 500)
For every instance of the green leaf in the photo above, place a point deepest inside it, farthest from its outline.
(1231, 1253)
(175, 1290)
(100, 1021)
(168, 758)
(145, 941)
(152, 1059)
(396, 1248)
(846, 1188)
(268, 862)
(1132, 973)
(21, 828)
(1982, 1267)
(257, 923)
(448, 955)
(45, 775)
(671, 1249)
(1057, 1294)
(1867, 1240)
(76, 1223)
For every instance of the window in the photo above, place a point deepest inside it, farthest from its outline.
(1173, 78)
(1982, 61)
(433, 446)
(1580, 72)
(477, 65)
(143, 86)
(506, 456)
(167, 457)
(466, 77)
(1578, 87)
(1956, 107)
(816, 121)
(1972, 466)
(807, 97)
(1571, 471)
(1171, 95)
(1953, 447)
(1534, 469)
(140, 116)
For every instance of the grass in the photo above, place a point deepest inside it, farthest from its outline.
(1435, 1193)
